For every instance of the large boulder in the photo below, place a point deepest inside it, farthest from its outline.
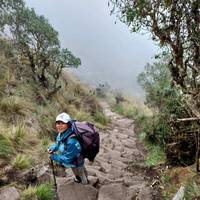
(9, 193)
(67, 189)
(112, 192)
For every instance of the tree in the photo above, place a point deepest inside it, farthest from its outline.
(61, 58)
(176, 26)
(37, 40)
(162, 128)
(6, 9)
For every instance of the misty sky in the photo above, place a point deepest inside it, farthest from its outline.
(108, 51)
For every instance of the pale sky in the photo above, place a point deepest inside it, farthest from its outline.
(108, 51)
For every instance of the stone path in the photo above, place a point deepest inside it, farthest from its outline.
(118, 172)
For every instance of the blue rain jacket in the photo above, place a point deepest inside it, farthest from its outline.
(68, 152)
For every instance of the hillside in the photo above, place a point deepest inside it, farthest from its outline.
(28, 111)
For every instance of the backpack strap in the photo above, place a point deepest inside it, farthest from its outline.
(72, 135)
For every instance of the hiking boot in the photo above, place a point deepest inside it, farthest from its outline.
(77, 179)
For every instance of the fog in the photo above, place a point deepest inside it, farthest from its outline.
(109, 52)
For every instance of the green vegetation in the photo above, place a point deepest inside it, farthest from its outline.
(41, 192)
(45, 192)
(167, 104)
(37, 40)
(126, 110)
(174, 25)
(34, 89)
(172, 179)
(100, 118)
(6, 148)
(22, 162)
(155, 155)
(29, 194)
(14, 105)
(192, 190)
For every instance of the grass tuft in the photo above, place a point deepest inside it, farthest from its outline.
(83, 116)
(41, 192)
(22, 161)
(6, 148)
(101, 118)
(192, 191)
(156, 155)
(45, 143)
(14, 105)
(45, 192)
(29, 194)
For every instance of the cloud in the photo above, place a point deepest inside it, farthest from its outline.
(108, 51)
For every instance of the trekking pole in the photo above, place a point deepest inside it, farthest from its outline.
(54, 176)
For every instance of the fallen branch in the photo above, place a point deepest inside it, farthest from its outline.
(180, 194)
(188, 119)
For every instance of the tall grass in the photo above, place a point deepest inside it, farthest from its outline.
(6, 148)
(29, 194)
(47, 123)
(22, 161)
(83, 116)
(41, 192)
(14, 105)
(155, 155)
(101, 118)
(6, 77)
(132, 109)
(192, 191)
(126, 110)
(22, 138)
(45, 192)
(18, 136)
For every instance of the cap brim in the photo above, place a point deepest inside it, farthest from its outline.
(62, 121)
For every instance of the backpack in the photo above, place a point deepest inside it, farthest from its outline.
(88, 137)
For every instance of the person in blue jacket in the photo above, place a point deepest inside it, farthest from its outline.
(67, 149)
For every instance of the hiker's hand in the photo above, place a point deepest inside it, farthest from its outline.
(49, 151)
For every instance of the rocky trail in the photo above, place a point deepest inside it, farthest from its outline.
(118, 172)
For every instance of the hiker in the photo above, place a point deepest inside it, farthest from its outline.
(68, 148)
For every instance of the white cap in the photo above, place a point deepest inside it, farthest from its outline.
(63, 117)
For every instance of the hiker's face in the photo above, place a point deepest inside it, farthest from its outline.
(61, 126)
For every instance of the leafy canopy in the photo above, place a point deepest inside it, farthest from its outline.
(176, 26)
(37, 40)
